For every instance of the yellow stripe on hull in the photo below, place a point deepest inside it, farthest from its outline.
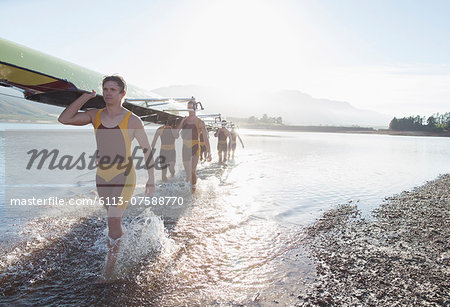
(22, 76)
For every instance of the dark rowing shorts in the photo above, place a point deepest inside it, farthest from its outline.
(169, 155)
(189, 152)
(115, 186)
(222, 147)
(203, 148)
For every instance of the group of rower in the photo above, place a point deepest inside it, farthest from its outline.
(196, 145)
(223, 147)
(115, 128)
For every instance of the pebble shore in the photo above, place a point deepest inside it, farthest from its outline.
(400, 257)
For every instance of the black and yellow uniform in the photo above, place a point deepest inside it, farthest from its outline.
(116, 178)
(191, 135)
(233, 139)
(222, 141)
(167, 144)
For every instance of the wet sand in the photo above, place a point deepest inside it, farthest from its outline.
(400, 257)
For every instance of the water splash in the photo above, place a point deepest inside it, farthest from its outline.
(144, 239)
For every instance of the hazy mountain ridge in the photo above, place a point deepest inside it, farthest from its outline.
(295, 107)
(13, 107)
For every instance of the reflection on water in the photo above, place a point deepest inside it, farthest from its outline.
(298, 175)
(235, 241)
(230, 256)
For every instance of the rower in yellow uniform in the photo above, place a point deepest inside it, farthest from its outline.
(191, 127)
(232, 144)
(168, 136)
(222, 134)
(115, 128)
(116, 178)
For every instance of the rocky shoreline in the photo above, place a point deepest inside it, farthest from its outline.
(401, 257)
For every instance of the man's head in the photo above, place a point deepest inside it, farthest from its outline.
(170, 122)
(118, 80)
(224, 123)
(191, 106)
(114, 89)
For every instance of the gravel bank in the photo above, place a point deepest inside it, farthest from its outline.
(400, 257)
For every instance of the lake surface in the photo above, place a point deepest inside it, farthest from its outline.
(235, 241)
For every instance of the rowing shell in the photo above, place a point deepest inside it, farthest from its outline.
(46, 79)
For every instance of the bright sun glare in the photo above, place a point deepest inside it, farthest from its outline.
(242, 43)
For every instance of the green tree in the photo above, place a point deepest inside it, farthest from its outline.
(265, 118)
(394, 125)
(431, 121)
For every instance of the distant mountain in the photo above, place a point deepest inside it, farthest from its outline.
(293, 106)
(13, 107)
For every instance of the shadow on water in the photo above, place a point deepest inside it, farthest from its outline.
(214, 249)
(220, 171)
(66, 270)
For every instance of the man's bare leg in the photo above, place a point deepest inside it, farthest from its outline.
(164, 173)
(172, 169)
(188, 169)
(114, 233)
(194, 172)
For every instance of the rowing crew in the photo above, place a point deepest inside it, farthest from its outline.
(115, 128)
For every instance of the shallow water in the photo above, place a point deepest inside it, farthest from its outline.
(235, 241)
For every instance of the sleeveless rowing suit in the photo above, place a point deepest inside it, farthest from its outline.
(167, 144)
(233, 139)
(191, 134)
(222, 142)
(116, 177)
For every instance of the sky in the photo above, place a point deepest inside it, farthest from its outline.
(388, 56)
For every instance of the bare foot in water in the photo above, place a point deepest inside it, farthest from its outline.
(113, 250)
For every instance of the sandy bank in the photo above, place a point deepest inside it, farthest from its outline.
(401, 257)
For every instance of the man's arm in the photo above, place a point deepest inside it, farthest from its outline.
(176, 133)
(228, 135)
(206, 139)
(217, 132)
(242, 143)
(72, 115)
(141, 137)
(155, 138)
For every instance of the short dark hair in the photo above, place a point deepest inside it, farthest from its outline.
(170, 122)
(193, 105)
(118, 79)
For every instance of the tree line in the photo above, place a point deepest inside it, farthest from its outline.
(435, 123)
(265, 120)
